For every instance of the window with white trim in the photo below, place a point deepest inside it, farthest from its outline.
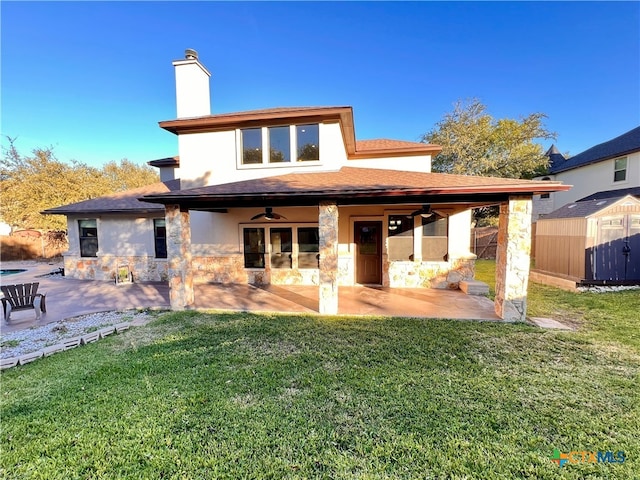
(620, 169)
(435, 241)
(281, 247)
(400, 238)
(287, 248)
(308, 247)
(279, 144)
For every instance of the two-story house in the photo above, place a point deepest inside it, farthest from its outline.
(289, 196)
(611, 166)
(591, 234)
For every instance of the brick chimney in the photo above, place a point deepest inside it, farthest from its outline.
(192, 86)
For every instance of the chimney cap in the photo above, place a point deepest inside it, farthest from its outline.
(190, 54)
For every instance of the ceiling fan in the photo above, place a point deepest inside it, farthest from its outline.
(269, 214)
(424, 212)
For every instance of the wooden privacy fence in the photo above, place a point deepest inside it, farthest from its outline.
(32, 244)
(484, 242)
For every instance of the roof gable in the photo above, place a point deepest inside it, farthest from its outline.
(624, 144)
(588, 208)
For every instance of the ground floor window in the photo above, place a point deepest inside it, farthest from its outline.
(400, 238)
(160, 237)
(281, 248)
(435, 240)
(88, 237)
(308, 247)
(254, 247)
(287, 248)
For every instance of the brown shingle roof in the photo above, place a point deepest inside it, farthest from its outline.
(353, 185)
(280, 115)
(119, 202)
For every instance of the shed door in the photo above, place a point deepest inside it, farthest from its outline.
(633, 253)
(617, 254)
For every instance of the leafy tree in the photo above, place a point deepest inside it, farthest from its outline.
(126, 175)
(474, 143)
(30, 184)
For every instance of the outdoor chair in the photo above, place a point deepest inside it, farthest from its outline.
(22, 296)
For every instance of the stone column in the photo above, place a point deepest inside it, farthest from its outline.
(179, 257)
(513, 258)
(328, 231)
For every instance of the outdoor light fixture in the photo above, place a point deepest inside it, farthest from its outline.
(394, 224)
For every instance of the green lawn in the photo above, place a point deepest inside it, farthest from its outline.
(195, 395)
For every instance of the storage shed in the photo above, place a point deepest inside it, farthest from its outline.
(593, 241)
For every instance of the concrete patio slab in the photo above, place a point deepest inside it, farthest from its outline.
(67, 298)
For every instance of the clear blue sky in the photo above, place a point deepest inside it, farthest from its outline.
(93, 79)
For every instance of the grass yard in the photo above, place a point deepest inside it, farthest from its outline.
(196, 395)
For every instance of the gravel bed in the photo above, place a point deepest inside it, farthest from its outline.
(18, 343)
(608, 288)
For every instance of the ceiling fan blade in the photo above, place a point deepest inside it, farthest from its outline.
(268, 214)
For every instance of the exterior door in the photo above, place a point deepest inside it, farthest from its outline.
(368, 242)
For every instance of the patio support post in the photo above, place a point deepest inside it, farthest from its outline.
(328, 232)
(513, 258)
(179, 257)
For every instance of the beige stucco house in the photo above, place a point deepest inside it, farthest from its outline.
(289, 196)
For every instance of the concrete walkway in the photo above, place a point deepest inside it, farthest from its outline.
(67, 297)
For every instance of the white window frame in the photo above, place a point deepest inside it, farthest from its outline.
(625, 169)
(267, 244)
(266, 151)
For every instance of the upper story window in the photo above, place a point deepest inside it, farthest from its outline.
(620, 169)
(280, 144)
(88, 237)
(545, 195)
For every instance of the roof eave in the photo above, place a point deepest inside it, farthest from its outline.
(308, 198)
(418, 150)
(103, 212)
(602, 159)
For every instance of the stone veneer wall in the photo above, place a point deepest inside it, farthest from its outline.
(143, 268)
(443, 275)
(513, 259)
(230, 269)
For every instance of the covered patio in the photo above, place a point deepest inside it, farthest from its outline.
(332, 192)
